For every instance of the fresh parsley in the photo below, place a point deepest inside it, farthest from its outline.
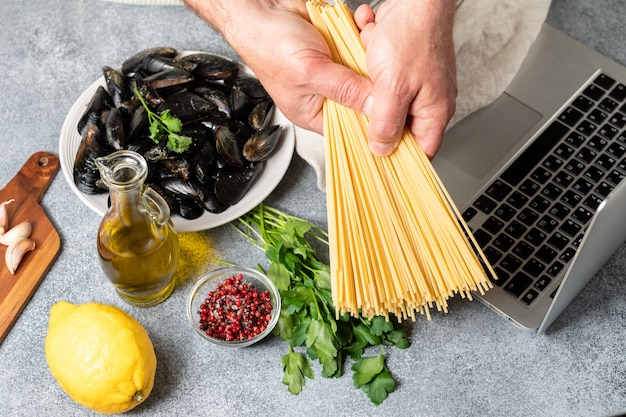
(308, 318)
(165, 124)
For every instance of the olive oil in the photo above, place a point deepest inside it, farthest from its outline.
(137, 244)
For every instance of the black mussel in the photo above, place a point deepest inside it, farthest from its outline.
(114, 129)
(156, 153)
(99, 102)
(212, 67)
(158, 63)
(171, 201)
(85, 172)
(149, 94)
(232, 183)
(133, 64)
(187, 106)
(115, 81)
(211, 203)
(138, 126)
(249, 85)
(217, 97)
(262, 143)
(261, 113)
(182, 189)
(190, 209)
(169, 78)
(229, 140)
(240, 102)
(177, 166)
(204, 162)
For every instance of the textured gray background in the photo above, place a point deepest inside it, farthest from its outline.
(467, 363)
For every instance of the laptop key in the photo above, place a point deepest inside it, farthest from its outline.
(575, 139)
(570, 116)
(582, 103)
(523, 250)
(505, 212)
(597, 143)
(571, 198)
(527, 216)
(618, 120)
(608, 105)
(547, 223)
(567, 255)
(582, 215)
(533, 267)
(498, 190)
(558, 240)
(559, 211)
(530, 296)
(482, 237)
(529, 187)
(546, 254)
(604, 81)
(555, 268)
(619, 92)
(593, 201)
(535, 236)
(516, 229)
(570, 227)
(510, 263)
(593, 92)
(517, 199)
(485, 204)
(594, 173)
(605, 161)
(518, 284)
(469, 214)
(542, 283)
(503, 242)
(586, 154)
(615, 177)
(583, 186)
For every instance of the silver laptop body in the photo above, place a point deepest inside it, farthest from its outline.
(479, 150)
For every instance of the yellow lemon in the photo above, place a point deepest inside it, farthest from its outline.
(100, 355)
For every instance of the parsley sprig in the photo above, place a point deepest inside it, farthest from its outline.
(164, 124)
(307, 317)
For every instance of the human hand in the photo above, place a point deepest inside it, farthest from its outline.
(411, 61)
(287, 54)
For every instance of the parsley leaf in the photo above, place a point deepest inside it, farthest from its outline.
(295, 367)
(165, 124)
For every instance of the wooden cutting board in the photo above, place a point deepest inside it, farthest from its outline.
(26, 188)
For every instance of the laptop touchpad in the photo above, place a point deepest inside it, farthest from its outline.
(478, 142)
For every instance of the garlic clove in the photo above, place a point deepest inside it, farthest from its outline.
(4, 216)
(17, 232)
(16, 251)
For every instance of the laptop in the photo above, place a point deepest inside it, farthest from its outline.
(539, 177)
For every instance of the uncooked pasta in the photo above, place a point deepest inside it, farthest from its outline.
(398, 244)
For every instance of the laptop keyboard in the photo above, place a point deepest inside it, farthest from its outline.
(530, 221)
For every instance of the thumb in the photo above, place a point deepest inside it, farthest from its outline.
(344, 86)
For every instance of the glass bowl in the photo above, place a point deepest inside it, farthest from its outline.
(204, 292)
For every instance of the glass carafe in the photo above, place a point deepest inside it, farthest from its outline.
(137, 243)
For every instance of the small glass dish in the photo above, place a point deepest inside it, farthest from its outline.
(210, 282)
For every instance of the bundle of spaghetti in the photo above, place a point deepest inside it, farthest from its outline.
(398, 244)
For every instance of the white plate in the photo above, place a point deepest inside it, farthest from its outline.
(270, 177)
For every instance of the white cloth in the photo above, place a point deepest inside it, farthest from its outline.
(491, 39)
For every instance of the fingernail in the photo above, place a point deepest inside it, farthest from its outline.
(382, 148)
(367, 106)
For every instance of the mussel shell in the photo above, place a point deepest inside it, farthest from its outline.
(261, 114)
(212, 67)
(262, 143)
(190, 209)
(232, 183)
(187, 106)
(251, 86)
(169, 78)
(182, 189)
(229, 140)
(211, 202)
(117, 87)
(133, 64)
(114, 129)
(99, 102)
(157, 63)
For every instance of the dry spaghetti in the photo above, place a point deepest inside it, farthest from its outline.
(398, 244)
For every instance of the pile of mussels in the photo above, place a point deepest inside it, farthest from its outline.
(226, 112)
